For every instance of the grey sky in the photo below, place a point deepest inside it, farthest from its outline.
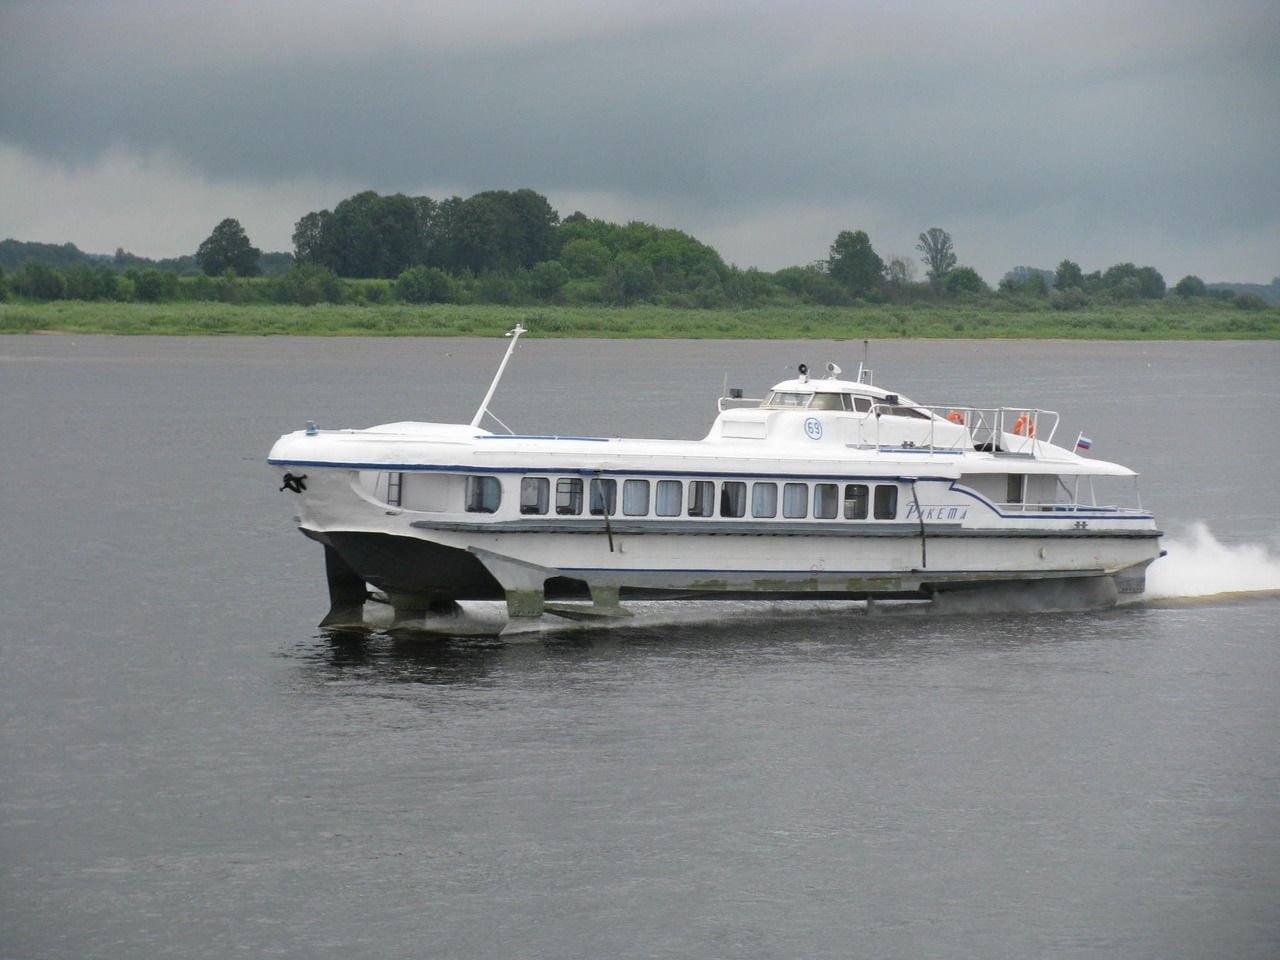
(1096, 131)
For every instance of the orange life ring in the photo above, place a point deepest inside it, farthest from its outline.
(1024, 425)
(955, 416)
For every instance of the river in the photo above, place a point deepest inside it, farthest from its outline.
(189, 768)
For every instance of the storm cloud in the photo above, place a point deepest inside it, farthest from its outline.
(1095, 131)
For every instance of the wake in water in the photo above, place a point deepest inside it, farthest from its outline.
(1197, 565)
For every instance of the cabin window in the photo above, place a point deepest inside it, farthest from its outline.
(668, 498)
(1017, 482)
(483, 494)
(898, 410)
(787, 399)
(856, 499)
(569, 496)
(604, 497)
(764, 499)
(395, 481)
(862, 404)
(826, 401)
(733, 499)
(635, 498)
(826, 500)
(795, 500)
(702, 497)
(535, 494)
(670, 495)
(699, 499)
(886, 501)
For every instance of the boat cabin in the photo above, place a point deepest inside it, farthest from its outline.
(844, 412)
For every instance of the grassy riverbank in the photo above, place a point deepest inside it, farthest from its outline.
(1161, 320)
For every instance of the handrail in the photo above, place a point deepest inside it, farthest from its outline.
(1076, 506)
(987, 427)
(737, 403)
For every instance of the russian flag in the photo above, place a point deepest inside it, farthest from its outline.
(1083, 442)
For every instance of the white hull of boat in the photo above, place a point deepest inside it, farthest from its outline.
(825, 489)
(421, 560)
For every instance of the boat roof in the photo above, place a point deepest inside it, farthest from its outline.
(804, 384)
(778, 430)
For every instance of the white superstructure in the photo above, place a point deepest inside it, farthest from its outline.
(826, 487)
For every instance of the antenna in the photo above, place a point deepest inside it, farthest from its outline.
(514, 334)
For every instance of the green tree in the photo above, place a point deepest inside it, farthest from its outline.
(396, 229)
(706, 289)
(812, 284)
(1125, 281)
(82, 282)
(274, 264)
(939, 254)
(1068, 276)
(1249, 301)
(959, 280)
(16, 253)
(679, 261)
(113, 286)
(494, 286)
(422, 284)
(428, 223)
(228, 248)
(1153, 286)
(547, 279)
(152, 285)
(502, 230)
(1190, 286)
(900, 271)
(1072, 298)
(628, 279)
(40, 281)
(476, 234)
(536, 225)
(313, 240)
(307, 284)
(855, 264)
(585, 257)
(371, 236)
(1030, 281)
(439, 234)
(750, 287)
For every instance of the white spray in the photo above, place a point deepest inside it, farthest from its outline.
(1198, 565)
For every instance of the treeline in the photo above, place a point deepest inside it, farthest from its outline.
(16, 254)
(504, 246)
(1069, 288)
(512, 248)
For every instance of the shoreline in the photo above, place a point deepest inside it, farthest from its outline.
(1158, 320)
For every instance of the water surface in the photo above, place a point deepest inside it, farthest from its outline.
(191, 769)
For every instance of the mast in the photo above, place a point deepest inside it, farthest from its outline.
(514, 334)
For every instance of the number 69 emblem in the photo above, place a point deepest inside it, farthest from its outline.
(813, 427)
